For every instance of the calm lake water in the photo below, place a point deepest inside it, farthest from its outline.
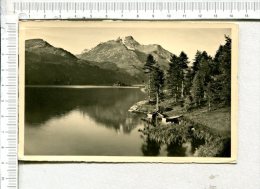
(88, 121)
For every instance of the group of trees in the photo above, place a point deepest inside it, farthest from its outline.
(156, 79)
(206, 82)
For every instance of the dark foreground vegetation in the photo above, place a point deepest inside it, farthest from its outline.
(209, 132)
(200, 93)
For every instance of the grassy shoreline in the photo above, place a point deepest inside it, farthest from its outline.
(209, 129)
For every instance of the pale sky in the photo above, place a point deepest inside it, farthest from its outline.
(75, 36)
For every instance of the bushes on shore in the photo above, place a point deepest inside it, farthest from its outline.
(206, 142)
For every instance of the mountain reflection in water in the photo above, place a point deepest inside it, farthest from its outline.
(88, 121)
(106, 106)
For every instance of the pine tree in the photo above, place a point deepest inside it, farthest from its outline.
(173, 78)
(148, 69)
(213, 89)
(156, 79)
(200, 82)
(197, 91)
(188, 81)
(183, 65)
(198, 57)
(195, 66)
(157, 84)
(183, 60)
(223, 66)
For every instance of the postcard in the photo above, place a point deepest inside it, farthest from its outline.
(128, 91)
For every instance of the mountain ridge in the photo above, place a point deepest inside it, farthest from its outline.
(48, 65)
(118, 60)
(127, 54)
(39, 46)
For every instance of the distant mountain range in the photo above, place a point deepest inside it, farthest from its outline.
(126, 54)
(117, 61)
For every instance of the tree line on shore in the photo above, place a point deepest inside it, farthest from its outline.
(207, 82)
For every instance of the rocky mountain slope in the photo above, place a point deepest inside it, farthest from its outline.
(48, 65)
(127, 54)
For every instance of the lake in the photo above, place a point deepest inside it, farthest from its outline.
(88, 121)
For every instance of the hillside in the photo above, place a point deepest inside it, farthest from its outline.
(116, 52)
(127, 54)
(48, 65)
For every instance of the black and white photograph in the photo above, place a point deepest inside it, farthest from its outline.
(128, 91)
